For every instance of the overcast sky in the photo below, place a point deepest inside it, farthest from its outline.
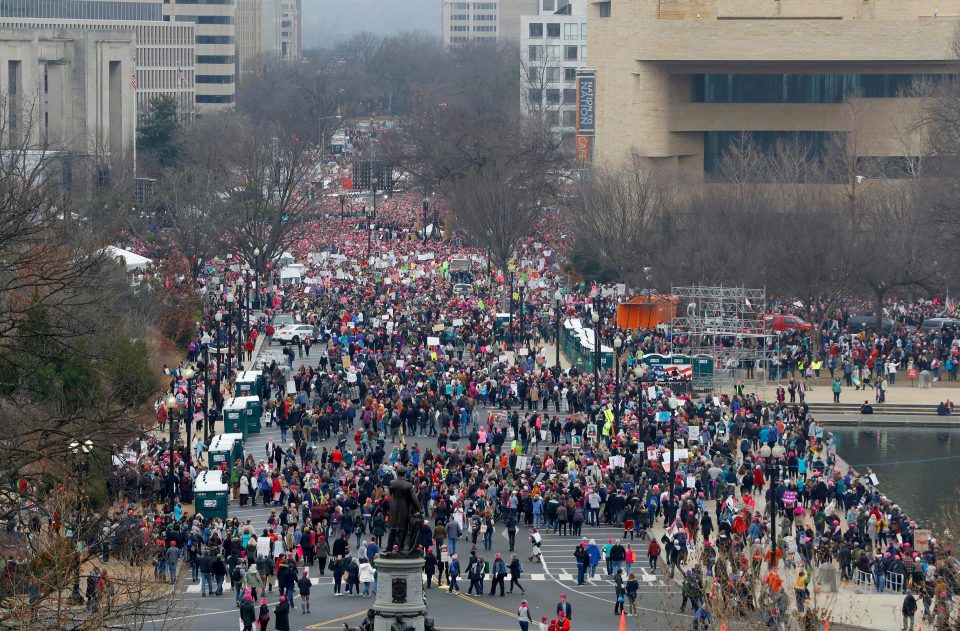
(327, 21)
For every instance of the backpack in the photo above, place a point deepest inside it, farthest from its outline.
(236, 575)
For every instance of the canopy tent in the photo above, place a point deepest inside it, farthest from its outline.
(131, 260)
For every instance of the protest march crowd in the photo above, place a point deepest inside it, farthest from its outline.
(403, 376)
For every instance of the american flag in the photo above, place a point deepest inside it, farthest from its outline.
(181, 76)
(133, 79)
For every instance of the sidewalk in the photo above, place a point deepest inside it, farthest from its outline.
(856, 606)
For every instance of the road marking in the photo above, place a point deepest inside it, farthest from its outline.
(487, 606)
(322, 625)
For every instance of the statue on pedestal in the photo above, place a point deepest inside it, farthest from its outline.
(406, 515)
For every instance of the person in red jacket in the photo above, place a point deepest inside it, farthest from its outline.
(653, 554)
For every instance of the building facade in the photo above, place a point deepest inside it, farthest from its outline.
(164, 57)
(677, 81)
(215, 57)
(69, 89)
(553, 46)
(267, 29)
(487, 21)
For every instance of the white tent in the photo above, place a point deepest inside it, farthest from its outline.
(131, 260)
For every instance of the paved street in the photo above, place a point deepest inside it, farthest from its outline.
(592, 602)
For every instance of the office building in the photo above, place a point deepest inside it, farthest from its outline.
(553, 46)
(68, 89)
(267, 30)
(489, 21)
(215, 51)
(164, 57)
(678, 80)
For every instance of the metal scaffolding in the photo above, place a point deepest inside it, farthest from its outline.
(725, 323)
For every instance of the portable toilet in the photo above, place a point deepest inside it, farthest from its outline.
(211, 495)
(249, 383)
(226, 448)
(253, 410)
(235, 415)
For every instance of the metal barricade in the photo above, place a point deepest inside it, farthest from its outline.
(895, 582)
(864, 578)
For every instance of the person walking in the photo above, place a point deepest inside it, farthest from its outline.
(909, 610)
(303, 586)
(523, 616)
(248, 614)
(454, 573)
(836, 390)
(516, 568)
(633, 588)
(620, 593)
(499, 572)
(281, 615)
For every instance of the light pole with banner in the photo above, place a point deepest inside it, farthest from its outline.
(205, 340)
(171, 404)
(188, 373)
(558, 306)
(617, 345)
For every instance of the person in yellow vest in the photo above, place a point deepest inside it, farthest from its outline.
(607, 430)
(816, 364)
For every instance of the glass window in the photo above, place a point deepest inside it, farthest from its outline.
(570, 31)
(553, 118)
(535, 96)
(570, 53)
(569, 74)
(583, 53)
(553, 96)
(569, 96)
(553, 74)
(569, 118)
(583, 30)
(553, 29)
(535, 52)
(549, 5)
(536, 29)
(604, 9)
(553, 53)
(533, 75)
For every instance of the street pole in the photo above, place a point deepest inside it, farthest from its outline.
(510, 337)
(206, 390)
(229, 335)
(596, 345)
(171, 404)
(522, 283)
(558, 300)
(343, 200)
(373, 215)
(617, 343)
(81, 464)
(426, 206)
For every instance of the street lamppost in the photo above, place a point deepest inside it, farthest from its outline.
(239, 302)
(229, 299)
(426, 206)
(512, 268)
(81, 466)
(343, 200)
(771, 454)
(188, 373)
(595, 317)
(617, 344)
(205, 340)
(373, 215)
(674, 404)
(171, 404)
(256, 278)
(558, 303)
(521, 284)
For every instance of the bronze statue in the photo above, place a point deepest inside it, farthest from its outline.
(406, 515)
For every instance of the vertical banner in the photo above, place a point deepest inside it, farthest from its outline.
(586, 115)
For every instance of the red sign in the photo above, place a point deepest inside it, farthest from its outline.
(584, 149)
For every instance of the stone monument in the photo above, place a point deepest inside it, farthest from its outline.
(400, 604)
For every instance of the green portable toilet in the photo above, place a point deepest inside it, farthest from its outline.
(253, 410)
(248, 384)
(211, 495)
(226, 449)
(235, 417)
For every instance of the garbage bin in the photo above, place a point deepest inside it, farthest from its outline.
(211, 495)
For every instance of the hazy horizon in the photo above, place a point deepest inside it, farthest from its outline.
(326, 22)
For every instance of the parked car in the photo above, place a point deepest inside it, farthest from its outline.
(293, 334)
(868, 322)
(935, 324)
(282, 319)
(780, 322)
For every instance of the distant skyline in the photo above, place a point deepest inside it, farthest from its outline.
(325, 22)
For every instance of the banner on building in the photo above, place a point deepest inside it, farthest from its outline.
(586, 102)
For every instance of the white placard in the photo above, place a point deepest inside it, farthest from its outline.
(457, 322)
(616, 461)
(694, 431)
(652, 392)
(400, 363)
(521, 462)
(433, 341)
(691, 482)
(873, 479)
